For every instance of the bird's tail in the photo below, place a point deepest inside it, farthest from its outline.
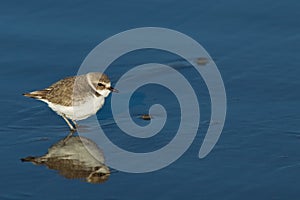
(40, 94)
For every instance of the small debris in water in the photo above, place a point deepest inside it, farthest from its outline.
(146, 117)
(202, 61)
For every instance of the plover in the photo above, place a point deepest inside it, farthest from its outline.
(77, 97)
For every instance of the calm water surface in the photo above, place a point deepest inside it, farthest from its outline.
(255, 45)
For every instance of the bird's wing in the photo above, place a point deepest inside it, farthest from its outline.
(61, 92)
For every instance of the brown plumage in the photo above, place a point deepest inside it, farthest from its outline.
(76, 97)
(56, 93)
(63, 95)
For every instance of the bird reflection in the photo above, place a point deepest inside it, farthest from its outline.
(75, 157)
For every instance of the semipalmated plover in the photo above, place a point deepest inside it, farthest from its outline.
(77, 97)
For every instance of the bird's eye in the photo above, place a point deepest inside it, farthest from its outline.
(101, 85)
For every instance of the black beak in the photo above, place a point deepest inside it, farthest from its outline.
(113, 89)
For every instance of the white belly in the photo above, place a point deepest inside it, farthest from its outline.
(80, 112)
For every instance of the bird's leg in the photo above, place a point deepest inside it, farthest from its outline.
(70, 125)
(74, 122)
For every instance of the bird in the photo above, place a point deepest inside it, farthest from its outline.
(76, 97)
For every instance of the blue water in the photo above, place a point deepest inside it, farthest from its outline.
(255, 45)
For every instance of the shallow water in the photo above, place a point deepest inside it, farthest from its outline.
(255, 45)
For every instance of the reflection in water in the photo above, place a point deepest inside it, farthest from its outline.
(75, 157)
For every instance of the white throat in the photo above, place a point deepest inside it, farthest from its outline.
(104, 92)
